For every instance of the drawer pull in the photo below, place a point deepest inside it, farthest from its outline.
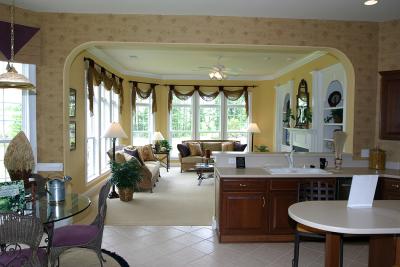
(242, 185)
(396, 186)
(263, 198)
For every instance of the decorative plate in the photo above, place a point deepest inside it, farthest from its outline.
(334, 98)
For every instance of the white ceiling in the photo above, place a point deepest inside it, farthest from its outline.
(303, 9)
(182, 62)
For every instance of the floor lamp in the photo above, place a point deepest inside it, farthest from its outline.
(114, 131)
(253, 128)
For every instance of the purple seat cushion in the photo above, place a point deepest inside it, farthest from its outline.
(184, 150)
(239, 147)
(72, 235)
(11, 260)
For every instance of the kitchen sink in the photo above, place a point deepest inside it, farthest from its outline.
(296, 171)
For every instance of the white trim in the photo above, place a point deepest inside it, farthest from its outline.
(281, 92)
(49, 167)
(106, 58)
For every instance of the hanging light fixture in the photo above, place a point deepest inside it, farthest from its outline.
(217, 75)
(12, 79)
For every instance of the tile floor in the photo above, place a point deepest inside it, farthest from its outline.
(178, 246)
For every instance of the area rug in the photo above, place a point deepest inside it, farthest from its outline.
(88, 258)
(176, 200)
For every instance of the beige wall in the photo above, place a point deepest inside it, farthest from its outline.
(389, 59)
(61, 34)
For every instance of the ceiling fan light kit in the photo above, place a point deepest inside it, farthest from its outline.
(217, 75)
(12, 79)
(370, 2)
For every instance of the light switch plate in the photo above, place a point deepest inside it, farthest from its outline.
(365, 153)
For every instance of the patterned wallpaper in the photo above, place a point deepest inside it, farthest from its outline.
(60, 33)
(389, 59)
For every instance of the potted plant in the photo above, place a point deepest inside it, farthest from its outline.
(336, 115)
(262, 148)
(126, 176)
(289, 115)
(164, 145)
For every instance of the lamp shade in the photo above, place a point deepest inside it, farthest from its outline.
(115, 131)
(13, 80)
(158, 136)
(253, 128)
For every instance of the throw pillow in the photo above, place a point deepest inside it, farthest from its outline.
(184, 150)
(146, 153)
(134, 153)
(119, 156)
(239, 147)
(195, 149)
(227, 146)
(213, 146)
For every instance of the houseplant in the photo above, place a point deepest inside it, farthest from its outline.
(289, 115)
(125, 176)
(262, 148)
(164, 145)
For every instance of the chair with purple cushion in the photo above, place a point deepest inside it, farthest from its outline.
(82, 236)
(20, 237)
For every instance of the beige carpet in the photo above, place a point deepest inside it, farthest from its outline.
(176, 200)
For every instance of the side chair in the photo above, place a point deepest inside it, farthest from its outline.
(20, 237)
(82, 236)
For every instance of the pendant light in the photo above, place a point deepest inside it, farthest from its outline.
(12, 79)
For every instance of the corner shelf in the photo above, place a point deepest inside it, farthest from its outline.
(331, 108)
(333, 124)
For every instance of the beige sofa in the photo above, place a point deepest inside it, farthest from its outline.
(150, 168)
(188, 162)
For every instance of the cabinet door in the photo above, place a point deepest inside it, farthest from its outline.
(244, 213)
(390, 189)
(390, 112)
(280, 222)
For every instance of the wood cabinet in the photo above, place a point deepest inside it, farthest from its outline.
(390, 112)
(390, 189)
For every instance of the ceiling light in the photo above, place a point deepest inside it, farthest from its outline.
(12, 79)
(370, 2)
(216, 75)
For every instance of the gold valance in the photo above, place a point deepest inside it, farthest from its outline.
(97, 74)
(232, 95)
(144, 94)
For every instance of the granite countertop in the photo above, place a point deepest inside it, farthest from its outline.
(226, 172)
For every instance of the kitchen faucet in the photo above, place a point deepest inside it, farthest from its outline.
(289, 158)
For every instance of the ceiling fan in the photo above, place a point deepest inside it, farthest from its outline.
(218, 71)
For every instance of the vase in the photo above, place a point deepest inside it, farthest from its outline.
(125, 193)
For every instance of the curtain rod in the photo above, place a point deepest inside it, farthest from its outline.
(195, 85)
(89, 59)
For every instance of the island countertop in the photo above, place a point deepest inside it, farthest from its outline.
(227, 172)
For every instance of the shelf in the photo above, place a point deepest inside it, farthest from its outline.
(330, 108)
(328, 139)
(333, 124)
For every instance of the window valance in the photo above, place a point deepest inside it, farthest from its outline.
(97, 74)
(144, 94)
(232, 95)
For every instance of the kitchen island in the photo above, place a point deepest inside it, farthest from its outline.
(252, 204)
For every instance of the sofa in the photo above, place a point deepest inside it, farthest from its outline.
(189, 156)
(150, 165)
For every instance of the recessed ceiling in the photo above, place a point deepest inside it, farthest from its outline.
(302, 9)
(190, 62)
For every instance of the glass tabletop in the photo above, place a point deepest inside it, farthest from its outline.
(49, 212)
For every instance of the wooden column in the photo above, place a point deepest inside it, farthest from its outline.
(384, 251)
(332, 250)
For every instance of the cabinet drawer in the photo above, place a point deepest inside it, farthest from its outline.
(284, 184)
(243, 185)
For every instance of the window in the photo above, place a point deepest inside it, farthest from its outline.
(181, 122)
(105, 111)
(236, 120)
(216, 119)
(142, 122)
(17, 113)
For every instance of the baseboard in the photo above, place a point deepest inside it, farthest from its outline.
(93, 191)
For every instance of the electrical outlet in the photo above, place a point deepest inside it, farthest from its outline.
(365, 153)
(231, 160)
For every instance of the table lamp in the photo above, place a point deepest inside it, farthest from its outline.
(253, 128)
(157, 137)
(114, 131)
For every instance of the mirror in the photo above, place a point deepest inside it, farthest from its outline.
(303, 117)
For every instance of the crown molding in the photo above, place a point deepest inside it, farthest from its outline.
(98, 53)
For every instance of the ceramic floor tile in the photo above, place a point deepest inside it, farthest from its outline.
(188, 239)
(204, 233)
(205, 246)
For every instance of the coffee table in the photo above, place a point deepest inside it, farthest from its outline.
(201, 168)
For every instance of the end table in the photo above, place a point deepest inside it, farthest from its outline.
(163, 158)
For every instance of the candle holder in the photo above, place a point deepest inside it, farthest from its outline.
(338, 164)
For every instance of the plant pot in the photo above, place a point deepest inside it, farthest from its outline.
(125, 194)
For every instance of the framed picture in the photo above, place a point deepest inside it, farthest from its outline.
(240, 162)
(72, 103)
(72, 135)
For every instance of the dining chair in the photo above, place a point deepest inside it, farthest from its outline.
(82, 236)
(308, 191)
(20, 237)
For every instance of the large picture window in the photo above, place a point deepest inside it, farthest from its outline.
(196, 118)
(142, 122)
(105, 111)
(17, 113)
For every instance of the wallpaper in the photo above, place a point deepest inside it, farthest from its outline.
(61, 33)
